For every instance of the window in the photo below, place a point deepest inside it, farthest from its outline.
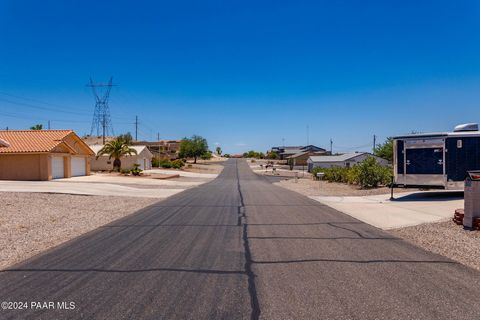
(459, 144)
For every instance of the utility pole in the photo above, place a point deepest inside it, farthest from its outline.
(103, 131)
(136, 128)
(374, 142)
(283, 142)
(158, 136)
(331, 146)
(48, 124)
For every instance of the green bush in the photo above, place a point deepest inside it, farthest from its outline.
(254, 154)
(165, 163)
(371, 174)
(177, 164)
(155, 162)
(368, 174)
(206, 156)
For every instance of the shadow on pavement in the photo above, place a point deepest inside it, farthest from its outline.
(431, 196)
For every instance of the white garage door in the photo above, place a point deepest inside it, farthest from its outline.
(78, 166)
(57, 168)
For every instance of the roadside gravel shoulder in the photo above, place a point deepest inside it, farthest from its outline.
(33, 222)
(445, 238)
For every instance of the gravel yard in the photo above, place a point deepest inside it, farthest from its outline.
(33, 222)
(447, 239)
(309, 187)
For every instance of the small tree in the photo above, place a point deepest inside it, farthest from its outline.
(193, 147)
(126, 137)
(37, 127)
(272, 155)
(385, 150)
(116, 149)
(219, 151)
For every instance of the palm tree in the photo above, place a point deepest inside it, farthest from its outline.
(116, 149)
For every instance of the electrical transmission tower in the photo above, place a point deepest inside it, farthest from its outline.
(101, 123)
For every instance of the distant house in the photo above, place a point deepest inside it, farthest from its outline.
(162, 149)
(42, 155)
(103, 163)
(343, 160)
(300, 159)
(287, 151)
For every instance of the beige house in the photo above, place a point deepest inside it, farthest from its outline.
(103, 163)
(42, 155)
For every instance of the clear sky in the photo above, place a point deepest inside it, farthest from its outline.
(244, 74)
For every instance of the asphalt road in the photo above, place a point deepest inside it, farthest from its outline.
(239, 248)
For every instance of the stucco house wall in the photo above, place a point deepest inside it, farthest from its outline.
(25, 167)
(103, 163)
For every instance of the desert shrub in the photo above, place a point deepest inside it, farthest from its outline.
(124, 171)
(136, 170)
(165, 163)
(371, 174)
(177, 164)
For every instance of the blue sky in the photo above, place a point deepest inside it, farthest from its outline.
(244, 74)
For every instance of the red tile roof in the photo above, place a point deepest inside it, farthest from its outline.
(26, 141)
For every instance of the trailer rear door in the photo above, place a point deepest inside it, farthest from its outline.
(424, 161)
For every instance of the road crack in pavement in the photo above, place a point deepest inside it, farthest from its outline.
(252, 290)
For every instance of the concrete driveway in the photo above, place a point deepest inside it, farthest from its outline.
(408, 209)
(107, 185)
(85, 188)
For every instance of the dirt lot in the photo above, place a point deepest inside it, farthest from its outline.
(33, 222)
(447, 239)
(311, 187)
(206, 166)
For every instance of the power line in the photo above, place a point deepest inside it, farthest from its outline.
(28, 105)
(24, 117)
(33, 106)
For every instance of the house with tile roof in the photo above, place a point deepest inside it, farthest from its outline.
(42, 155)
